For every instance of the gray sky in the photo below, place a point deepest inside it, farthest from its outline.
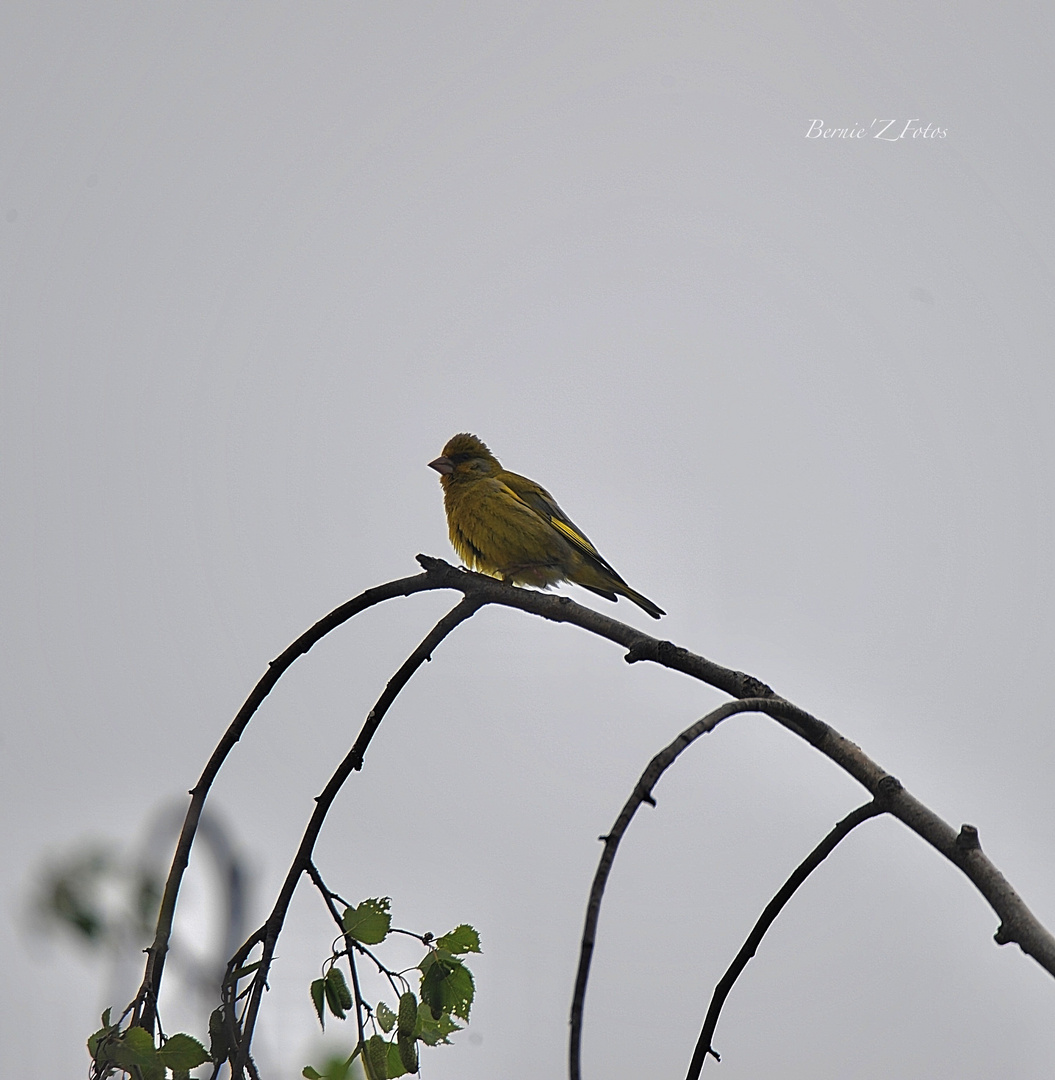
(258, 264)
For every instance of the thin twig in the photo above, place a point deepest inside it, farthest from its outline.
(349, 943)
(229, 992)
(352, 761)
(423, 938)
(397, 988)
(642, 793)
(765, 920)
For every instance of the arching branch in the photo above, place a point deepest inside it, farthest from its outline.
(642, 793)
(353, 760)
(1017, 923)
(145, 1011)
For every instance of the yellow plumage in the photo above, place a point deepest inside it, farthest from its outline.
(508, 526)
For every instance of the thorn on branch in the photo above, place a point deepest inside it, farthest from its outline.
(967, 839)
(647, 797)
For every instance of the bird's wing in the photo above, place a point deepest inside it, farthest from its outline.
(537, 498)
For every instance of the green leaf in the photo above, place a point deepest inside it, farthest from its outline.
(95, 1039)
(385, 1017)
(395, 1064)
(460, 990)
(139, 1045)
(370, 921)
(447, 986)
(182, 1052)
(181, 1074)
(102, 1036)
(336, 1068)
(135, 1051)
(433, 1032)
(462, 939)
(318, 997)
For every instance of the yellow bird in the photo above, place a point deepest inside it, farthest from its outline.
(509, 527)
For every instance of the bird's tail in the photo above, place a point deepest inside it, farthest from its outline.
(642, 602)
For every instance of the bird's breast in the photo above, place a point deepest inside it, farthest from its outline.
(495, 531)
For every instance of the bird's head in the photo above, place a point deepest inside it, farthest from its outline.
(465, 457)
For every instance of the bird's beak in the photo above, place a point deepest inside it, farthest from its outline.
(442, 465)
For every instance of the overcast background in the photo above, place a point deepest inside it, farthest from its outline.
(260, 262)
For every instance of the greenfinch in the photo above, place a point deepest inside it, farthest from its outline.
(510, 527)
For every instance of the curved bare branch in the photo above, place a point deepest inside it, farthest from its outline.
(353, 761)
(1017, 923)
(642, 793)
(145, 1012)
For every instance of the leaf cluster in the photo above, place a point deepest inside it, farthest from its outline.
(132, 1051)
(445, 986)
